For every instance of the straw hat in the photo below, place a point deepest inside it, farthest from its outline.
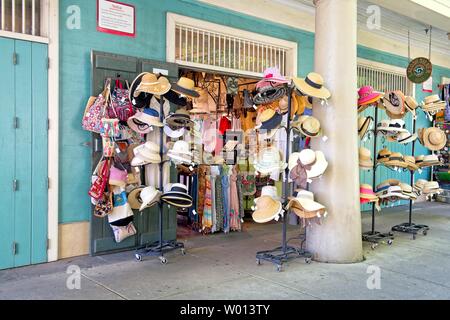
(269, 160)
(411, 162)
(430, 160)
(142, 122)
(151, 84)
(315, 159)
(319, 167)
(366, 193)
(431, 187)
(185, 87)
(270, 191)
(201, 104)
(148, 197)
(367, 96)
(433, 138)
(406, 137)
(391, 126)
(142, 100)
(363, 126)
(396, 160)
(394, 102)
(407, 191)
(267, 209)
(383, 155)
(308, 126)
(365, 159)
(411, 105)
(419, 160)
(304, 206)
(312, 86)
(147, 153)
(433, 104)
(420, 184)
(269, 119)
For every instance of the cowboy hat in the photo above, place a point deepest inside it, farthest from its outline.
(308, 126)
(363, 126)
(185, 87)
(394, 102)
(153, 85)
(433, 138)
(304, 205)
(365, 159)
(143, 99)
(142, 122)
(267, 209)
(269, 160)
(367, 96)
(147, 153)
(312, 86)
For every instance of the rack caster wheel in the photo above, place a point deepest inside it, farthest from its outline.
(308, 260)
(258, 262)
(183, 252)
(425, 232)
(163, 260)
(279, 268)
(390, 242)
(374, 246)
(138, 257)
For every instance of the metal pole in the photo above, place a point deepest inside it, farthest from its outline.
(161, 172)
(374, 166)
(286, 180)
(412, 173)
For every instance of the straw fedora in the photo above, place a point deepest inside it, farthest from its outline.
(179, 119)
(269, 160)
(363, 126)
(411, 163)
(366, 193)
(313, 86)
(394, 102)
(267, 209)
(270, 119)
(419, 160)
(383, 155)
(185, 87)
(308, 126)
(148, 153)
(365, 159)
(391, 192)
(151, 84)
(141, 100)
(433, 104)
(407, 191)
(367, 96)
(142, 122)
(304, 206)
(406, 137)
(420, 184)
(430, 160)
(431, 187)
(396, 160)
(411, 105)
(433, 138)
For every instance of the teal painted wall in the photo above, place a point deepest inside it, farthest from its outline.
(75, 81)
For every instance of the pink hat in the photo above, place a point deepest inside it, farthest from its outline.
(118, 177)
(366, 194)
(367, 96)
(272, 77)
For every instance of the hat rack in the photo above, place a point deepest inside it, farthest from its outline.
(160, 247)
(285, 252)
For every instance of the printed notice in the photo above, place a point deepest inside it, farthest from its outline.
(116, 18)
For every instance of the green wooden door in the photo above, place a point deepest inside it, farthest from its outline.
(23, 170)
(106, 65)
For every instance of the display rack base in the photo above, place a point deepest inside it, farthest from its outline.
(279, 256)
(375, 238)
(158, 250)
(412, 228)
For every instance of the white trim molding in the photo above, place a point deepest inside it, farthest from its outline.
(22, 36)
(53, 133)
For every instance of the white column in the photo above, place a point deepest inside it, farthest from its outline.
(338, 239)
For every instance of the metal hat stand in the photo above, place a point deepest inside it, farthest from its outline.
(160, 247)
(284, 253)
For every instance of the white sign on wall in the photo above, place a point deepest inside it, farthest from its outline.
(116, 18)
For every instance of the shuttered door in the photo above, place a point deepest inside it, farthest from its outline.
(106, 65)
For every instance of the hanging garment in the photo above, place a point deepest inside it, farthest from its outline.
(235, 219)
(207, 214)
(192, 216)
(226, 197)
(248, 120)
(215, 172)
(445, 96)
(219, 201)
(202, 171)
(241, 197)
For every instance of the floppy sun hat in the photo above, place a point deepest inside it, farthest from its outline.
(267, 209)
(148, 153)
(270, 191)
(142, 122)
(363, 126)
(308, 126)
(434, 138)
(269, 160)
(141, 100)
(367, 96)
(304, 206)
(313, 86)
(153, 85)
(185, 87)
(394, 102)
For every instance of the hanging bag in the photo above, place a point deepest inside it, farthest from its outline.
(95, 111)
(120, 107)
(99, 186)
(104, 206)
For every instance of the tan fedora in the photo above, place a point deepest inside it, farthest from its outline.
(434, 138)
(411, 105)
(308, 126)
(383, 155)
(433, 104)
(396, 160)
(430, 160)
(363, 126)
(152, 84)
(411, 163)
(365, 158)
(185, 87)
(313, 86)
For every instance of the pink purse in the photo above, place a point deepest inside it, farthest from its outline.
(94, 112)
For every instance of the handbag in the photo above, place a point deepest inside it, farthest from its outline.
(248, 184)
(122, 233)
(120, 106)
(95, 111)
(98, 187)
(94, 177)
(104, 206)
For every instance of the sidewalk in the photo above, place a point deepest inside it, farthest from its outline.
(224, 267)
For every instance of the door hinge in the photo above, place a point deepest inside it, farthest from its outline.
(48, 63)
(48, 244)
(15, 185)
(14, 248)
(14, 58)
(16, 123)
(48, 124)
(48, 182)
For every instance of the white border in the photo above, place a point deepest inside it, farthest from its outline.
(22, 36)
(173, 19)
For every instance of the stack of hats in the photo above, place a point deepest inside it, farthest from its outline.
(411, 163)
(271, 87)
(408, 191)
(411, 105)
(143, 121)
(366, 195)
(394, 102)
(307, 126)
(304, 206)
(363, 126)
(179, 119)
(365, 159)
(177, 195)
(395, 130)
(392, 159)
(432, 138)
(268, 206)
(147, 153)
(433, 104)
(269, 160)
(312, 86)
(367, 97)
(390, 190)
(428, 161)
(180, 153)
(143, 197)
(427, 188)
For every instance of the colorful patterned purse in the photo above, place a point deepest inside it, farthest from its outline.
(99, 186)
(104, 206)
(120, 107)
(95, 111)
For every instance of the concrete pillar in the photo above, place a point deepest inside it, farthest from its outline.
(338, 240)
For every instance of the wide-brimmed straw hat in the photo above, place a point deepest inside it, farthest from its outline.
(365, 159)
(150, 83)
(143, 99)
(308, 126)
(407, 191)
(269, 160)
(363, 126)
(270, 191)
(313, 86)
(433, 138)
(142, 122)
(394, 102)
(185, 87)
(147, 153)
(304, 206)
(267, 209)
(367, 96)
